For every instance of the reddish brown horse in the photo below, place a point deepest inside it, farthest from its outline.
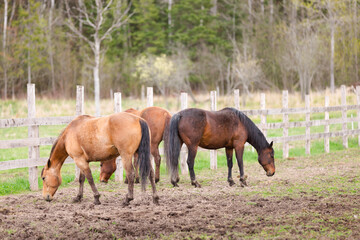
(227, 128)
(157, 119)
(88, 139)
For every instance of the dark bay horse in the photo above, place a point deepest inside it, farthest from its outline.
(88, 139)
(227, 128)
(157, 118)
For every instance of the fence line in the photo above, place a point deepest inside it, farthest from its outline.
(34, 141)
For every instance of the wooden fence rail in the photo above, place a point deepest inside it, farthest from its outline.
(34, 141)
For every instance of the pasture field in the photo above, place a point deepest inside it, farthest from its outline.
(308, 197)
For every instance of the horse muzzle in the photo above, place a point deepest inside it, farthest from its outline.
(270, 174)
(48, 198)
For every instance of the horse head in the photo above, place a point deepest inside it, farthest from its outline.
(266, 160)
(107, 168)
(51, 181)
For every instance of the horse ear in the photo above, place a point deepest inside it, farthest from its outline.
(271, 144)
(48, 163)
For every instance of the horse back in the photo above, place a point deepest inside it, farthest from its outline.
(98, 139)
(157, 119)
(211, 129)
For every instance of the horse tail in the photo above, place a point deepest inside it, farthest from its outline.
(144, 154)
(172, 147)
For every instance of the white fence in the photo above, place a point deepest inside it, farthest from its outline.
(34, 141)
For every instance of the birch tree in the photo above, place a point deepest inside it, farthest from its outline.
(6, 4)
(94, 16)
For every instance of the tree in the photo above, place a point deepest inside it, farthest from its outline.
(6, 4)
(96, 19)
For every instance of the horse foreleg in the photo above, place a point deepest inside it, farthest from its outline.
(90, 179)
(157, 160)
(239, 157)
(130, 175)
(81, 187)
(190, 162)
(229, 157)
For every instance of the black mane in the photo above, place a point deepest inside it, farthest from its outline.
(255, 137)
(53, 147)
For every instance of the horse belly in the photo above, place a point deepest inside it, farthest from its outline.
(213, 143)
(101, 153)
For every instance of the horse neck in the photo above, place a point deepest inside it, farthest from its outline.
(58, 155)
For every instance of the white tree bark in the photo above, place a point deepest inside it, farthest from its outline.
(332, 77)
(50, 45)
(356, 45)
(6, 4)
(95, 21)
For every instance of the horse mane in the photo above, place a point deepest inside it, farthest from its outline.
(255, 137)
(54, 145)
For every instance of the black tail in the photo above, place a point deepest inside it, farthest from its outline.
(144, 154)
(173, 147)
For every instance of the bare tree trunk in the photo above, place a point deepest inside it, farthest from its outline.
(271, 11)
(213, 9)
(29, 55)
(356, 45)
(169, 18)
(332, 78)
(50, 46)
(97, 76)
(4, 47)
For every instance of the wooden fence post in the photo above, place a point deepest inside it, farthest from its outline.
(237, 99)
(119, 166)
(327, 126)
(33, 132)
(307, 128)
(358, 111)
(343, 114)
(79, 111)
(213, 154)
(286, 122)
(149, 95)
(184, 150)
(263, 116)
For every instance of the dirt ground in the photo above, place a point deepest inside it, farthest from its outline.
(313, 197)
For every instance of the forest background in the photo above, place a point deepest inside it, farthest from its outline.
(177, 45)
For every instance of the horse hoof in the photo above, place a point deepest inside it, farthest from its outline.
(175, 185)
(76, 199)
(156, 200)
(196, 184)
(243, 183)
(231, 183)
(137, 180)
(157, 180)
(97, 202)
(126, 181)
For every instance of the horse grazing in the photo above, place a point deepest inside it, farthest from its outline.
(88, 139)
(157, 119)
(227, 128)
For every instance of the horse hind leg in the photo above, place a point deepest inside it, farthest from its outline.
(130, 175)
(190, 161)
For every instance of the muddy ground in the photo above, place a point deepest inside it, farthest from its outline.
(313, 197)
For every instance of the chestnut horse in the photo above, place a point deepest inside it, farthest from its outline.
(227, 128)
(88, 139)
(157, 118)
